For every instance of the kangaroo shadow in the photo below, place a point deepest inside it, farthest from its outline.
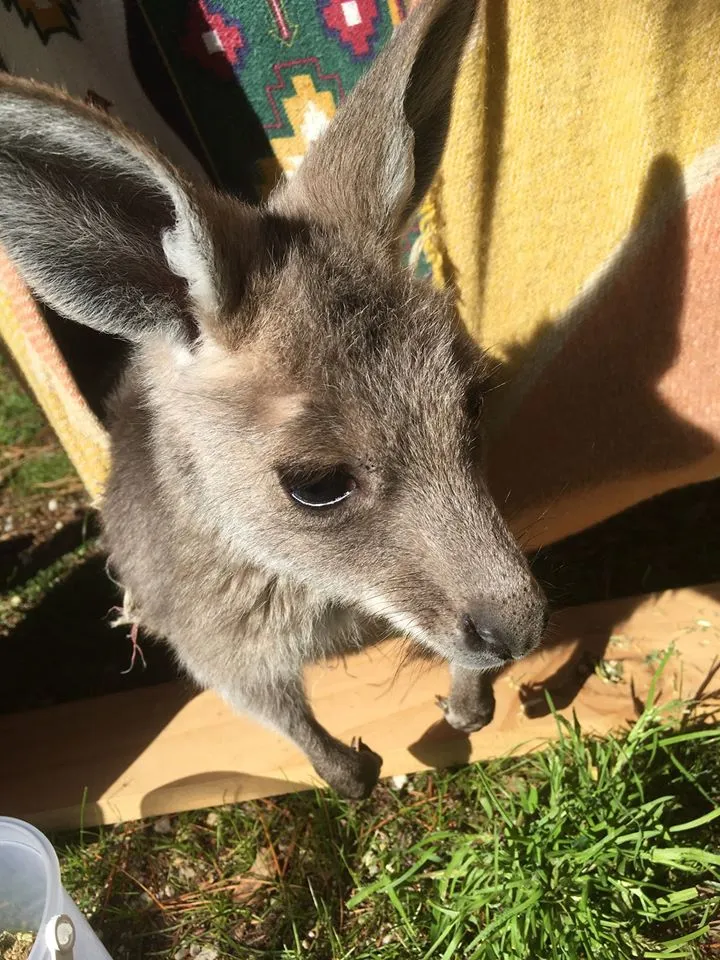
(192, 792)
(441, 746)
(595, 414)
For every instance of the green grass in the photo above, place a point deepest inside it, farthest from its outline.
(20, 417)
(41, 467)
(23, 463)
(591, 850)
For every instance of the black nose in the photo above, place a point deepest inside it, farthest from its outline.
(482, 637)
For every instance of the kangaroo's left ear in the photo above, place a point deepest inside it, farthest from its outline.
(372, 166)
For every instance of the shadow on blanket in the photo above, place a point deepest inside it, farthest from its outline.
(598, 415)
(595, 417)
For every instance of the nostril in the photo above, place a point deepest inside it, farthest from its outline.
(480, 638)
(473, 637)
(500, 650)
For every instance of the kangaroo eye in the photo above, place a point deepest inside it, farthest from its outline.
(321, 491)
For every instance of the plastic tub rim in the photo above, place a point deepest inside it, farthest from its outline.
(53, 884)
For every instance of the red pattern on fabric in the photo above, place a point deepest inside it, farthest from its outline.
(214, 39)
(354, 23)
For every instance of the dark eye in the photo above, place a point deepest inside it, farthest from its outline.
(321, 490)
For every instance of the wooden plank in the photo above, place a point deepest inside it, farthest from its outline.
(163, 749)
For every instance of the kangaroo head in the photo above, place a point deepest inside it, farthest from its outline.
(320, 408)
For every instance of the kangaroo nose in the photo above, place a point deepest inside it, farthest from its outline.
(482, 637)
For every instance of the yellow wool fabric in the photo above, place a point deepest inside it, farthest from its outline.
(561, 108)
(26, 335)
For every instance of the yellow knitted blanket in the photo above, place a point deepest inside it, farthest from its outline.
(578, 216)
(23, 328)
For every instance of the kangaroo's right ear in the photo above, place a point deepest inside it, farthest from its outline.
(101, 227)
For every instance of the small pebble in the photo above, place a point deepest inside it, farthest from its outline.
(195, 949)
(186, 872)
(145, 898)
(207, 953)
(52, 505)
(168, 891)
(181, 953)
(58, 525)
(15, 600)
(399, 781)
(163, 826)
(212, 819)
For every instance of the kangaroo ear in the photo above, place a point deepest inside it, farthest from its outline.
(375, 161)
(101, 227)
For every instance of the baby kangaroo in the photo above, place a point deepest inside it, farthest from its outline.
(296, 452)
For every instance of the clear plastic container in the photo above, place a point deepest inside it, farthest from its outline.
(32, 897)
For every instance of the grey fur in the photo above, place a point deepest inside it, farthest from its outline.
(267, 340)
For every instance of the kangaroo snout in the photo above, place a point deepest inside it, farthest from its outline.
(491, 635)
(482, 636)
(465, 581)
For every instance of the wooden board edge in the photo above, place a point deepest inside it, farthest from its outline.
(158, 750)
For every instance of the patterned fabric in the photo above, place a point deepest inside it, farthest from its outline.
(577, 212)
